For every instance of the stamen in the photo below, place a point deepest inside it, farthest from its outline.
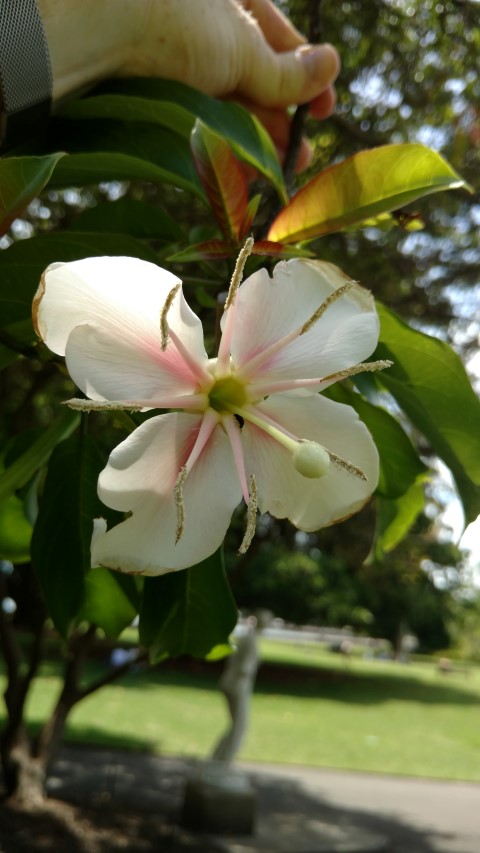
(209, 422)
(232, 429)
(180, 503)
(251, 517)
(263, 389)
(238, 272)
(346, 466)
(259, 360)
(223, 357)
(333, 297)
(164, 330)
(194, 402)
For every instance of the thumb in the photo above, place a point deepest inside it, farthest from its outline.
(281, 79)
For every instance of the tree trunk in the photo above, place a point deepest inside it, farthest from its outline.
(24, 774)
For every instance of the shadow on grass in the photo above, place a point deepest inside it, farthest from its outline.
(318, 684)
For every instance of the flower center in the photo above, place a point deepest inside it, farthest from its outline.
(226, 394)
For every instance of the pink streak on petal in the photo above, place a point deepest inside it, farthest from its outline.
(233, 431)
(198, 370)
(209, 422)
(257, 410)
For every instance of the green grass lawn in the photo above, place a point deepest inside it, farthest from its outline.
(361, 715)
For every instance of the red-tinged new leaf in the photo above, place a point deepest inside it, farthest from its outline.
(210, 250)
(366, 185)
(280, 250)
(223, 179)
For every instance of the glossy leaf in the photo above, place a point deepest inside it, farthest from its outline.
(22, 264)
(63, 531)
(25, 466)
(400, 466)
(223, 179)
(190, 612)
(280, 250)
(111, 600)
(250, 214)
(107, 151)
(15, 531)
(128, 216)
(21, 179)
(151, 100)
(396, 517)
(430, 384)
(365, 185)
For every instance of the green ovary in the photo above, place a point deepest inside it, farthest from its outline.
(227, 394)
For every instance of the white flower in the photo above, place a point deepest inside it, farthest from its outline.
(249, 422)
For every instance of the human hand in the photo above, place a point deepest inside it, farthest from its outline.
(244, 50)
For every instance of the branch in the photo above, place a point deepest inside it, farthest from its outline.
(112, 675)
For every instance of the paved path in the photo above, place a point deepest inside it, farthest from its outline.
(300, 810)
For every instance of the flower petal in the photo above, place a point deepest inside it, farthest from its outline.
(268, 309)
(124, 298)
(115, 368)
(311, 503)
(140, 478)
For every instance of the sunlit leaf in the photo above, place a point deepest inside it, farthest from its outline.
(395, 517)
(366, 185)
(15, 531)
(21, 179)
(111, 600)
(177, 106)
(430, 384)
(190, 612)
(222, 178)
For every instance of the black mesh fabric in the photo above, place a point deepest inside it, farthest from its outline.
(25, 72)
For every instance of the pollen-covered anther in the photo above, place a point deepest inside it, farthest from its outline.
(180, 503)
(347, 466)
(311, 459)
(251, 516)
(163, 316)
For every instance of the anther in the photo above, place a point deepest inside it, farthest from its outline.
(337, 294)
(346, 466)
(180, 503)
(163, 316)
(238, 272)
(251, 517)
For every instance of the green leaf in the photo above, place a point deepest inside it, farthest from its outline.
(15, 531)
(396, 517)
(22, 264)
(190, 612)
(21, 179)
(111, 601)
(177, 106)
(210, 250)
(280, 250)
(63, 531)
(23, 469)
(400, 465)
(365, 185)
(117, 154)
(222, 178)
(129, 216)
(430, 384)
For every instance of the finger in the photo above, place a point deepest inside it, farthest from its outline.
(280, 79)
(279, 32)
(323, 105)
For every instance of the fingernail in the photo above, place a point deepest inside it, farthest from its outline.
(321, 61)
